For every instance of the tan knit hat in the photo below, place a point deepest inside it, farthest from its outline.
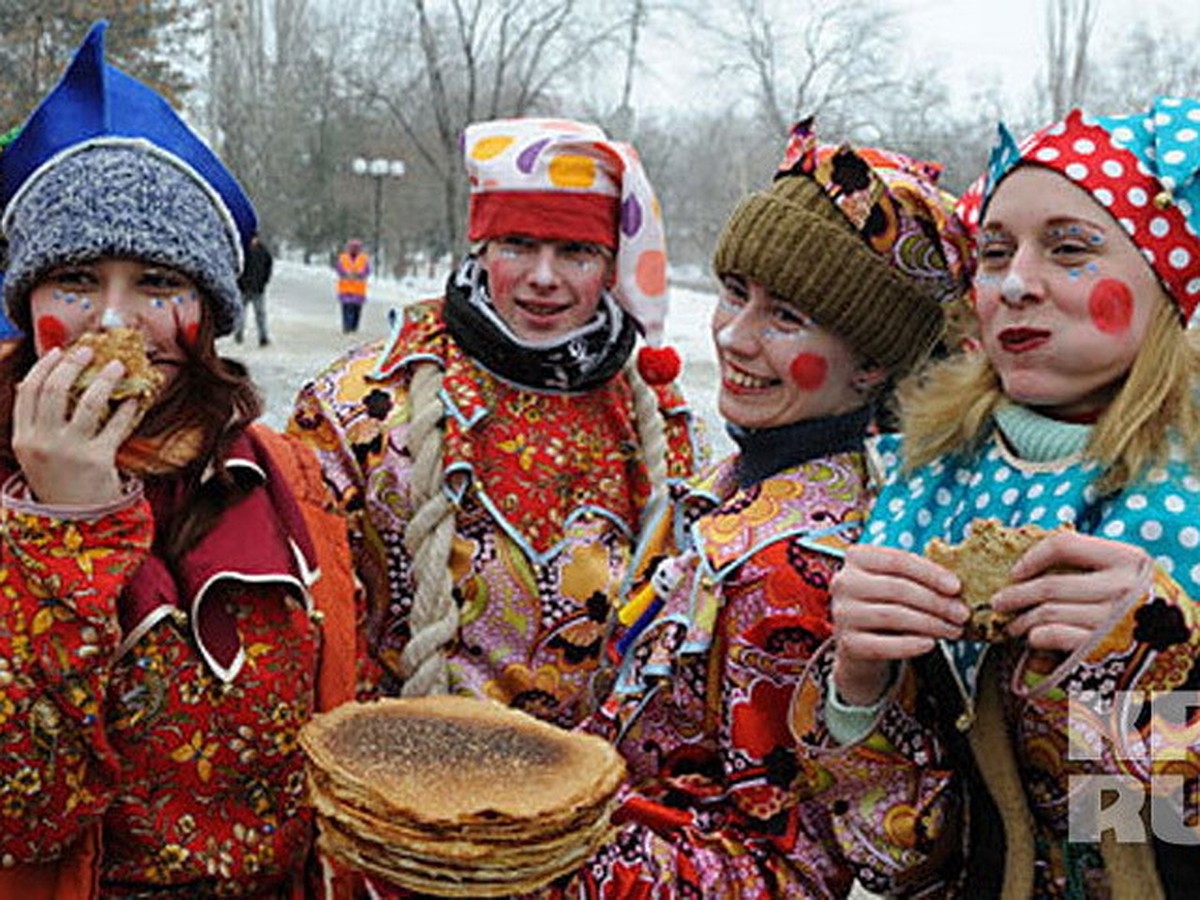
(861, 240)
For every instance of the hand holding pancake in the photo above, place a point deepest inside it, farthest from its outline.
(1068, 585)
(984, 563)
(74, 410)
(888, 605)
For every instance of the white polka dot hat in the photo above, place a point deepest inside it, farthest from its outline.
(556, 179)
(1141, 167)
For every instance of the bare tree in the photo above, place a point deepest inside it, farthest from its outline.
(1152, 61)
(433, 66)
(621, 123)
(279, 117)
(150, 41)
(1069, 27)
(830, 58)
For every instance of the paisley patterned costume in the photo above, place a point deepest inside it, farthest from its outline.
(549, 491)
(718, 803)
(963, 786)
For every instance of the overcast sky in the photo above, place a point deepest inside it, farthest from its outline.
(975, 42)
(1005, 39)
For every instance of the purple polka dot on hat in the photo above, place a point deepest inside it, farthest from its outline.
(631, 216)
(527, 158)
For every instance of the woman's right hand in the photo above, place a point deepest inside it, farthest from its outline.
(888, 605)
(68, 457)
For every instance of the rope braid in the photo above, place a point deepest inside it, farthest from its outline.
(434, 620)
(652, 438)
(429, 537)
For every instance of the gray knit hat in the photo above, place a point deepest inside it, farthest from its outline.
(124, 199)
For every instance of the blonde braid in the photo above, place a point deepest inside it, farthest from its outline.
(429, 537)
(652, 437)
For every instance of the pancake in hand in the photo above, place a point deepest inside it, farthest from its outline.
(983, 563)
(141, 380)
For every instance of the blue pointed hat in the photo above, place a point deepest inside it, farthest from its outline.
(94, 100)
(105, 166)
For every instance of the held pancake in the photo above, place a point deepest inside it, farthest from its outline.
(141, 380)
(983, 563)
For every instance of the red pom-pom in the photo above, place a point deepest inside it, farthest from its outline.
(659, 365)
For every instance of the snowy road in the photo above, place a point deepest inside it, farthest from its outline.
(305, 326)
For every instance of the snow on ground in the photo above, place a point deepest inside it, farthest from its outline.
(305, 326)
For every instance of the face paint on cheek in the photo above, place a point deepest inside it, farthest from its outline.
(50, 333)
(1111, 306)
(723, 337)
(808, 370)
(187, 321)
(501, 277)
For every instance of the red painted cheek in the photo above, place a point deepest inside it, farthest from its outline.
(808, 370)
(501, 279)
(51, 333)
(1111, 306)
(191, 331)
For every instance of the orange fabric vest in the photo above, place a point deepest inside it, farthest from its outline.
(76, 876)
(353, 271)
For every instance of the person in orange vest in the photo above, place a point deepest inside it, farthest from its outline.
(353, 269)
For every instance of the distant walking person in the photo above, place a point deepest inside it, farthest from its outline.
(253, 285)
(353, 268)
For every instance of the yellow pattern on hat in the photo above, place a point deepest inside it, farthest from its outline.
(490, 147)
(571, 171)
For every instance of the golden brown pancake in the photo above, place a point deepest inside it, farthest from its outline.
(983, 563)
(141, 380)
(457, 796)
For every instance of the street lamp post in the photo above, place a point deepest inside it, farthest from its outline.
(378, 169)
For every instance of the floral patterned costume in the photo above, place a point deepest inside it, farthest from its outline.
(718, 800)
(963, 785)
(162, 710)
(549, 491)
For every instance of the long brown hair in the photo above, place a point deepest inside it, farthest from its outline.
(212, 396)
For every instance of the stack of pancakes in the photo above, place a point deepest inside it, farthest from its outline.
(458, 797)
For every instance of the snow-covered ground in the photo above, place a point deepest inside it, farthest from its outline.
(305, 326)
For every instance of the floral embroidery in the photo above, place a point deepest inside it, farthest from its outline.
(549, 492)
(201, 779)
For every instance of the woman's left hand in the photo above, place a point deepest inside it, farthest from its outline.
(1068, 585)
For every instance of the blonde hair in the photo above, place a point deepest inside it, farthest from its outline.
(947, 408)
(429, 536)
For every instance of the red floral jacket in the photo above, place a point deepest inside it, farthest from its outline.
(550, 491)
(149, 719)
